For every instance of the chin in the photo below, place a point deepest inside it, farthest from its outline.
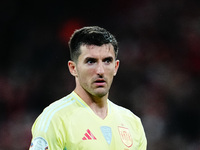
(101, 93)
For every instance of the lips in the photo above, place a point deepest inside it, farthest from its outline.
(100, 82)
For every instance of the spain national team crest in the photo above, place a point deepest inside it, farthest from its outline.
(125, 136)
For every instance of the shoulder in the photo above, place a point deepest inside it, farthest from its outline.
(59, 106)
(53, 114)
(124, 112)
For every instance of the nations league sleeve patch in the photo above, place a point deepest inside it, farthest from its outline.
(39, 143)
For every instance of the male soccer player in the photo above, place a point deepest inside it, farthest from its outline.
(86, 119)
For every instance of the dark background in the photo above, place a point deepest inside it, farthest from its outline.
(158, 78)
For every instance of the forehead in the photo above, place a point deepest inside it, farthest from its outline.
(94, 51)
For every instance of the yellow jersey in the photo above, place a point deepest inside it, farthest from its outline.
(70, 124)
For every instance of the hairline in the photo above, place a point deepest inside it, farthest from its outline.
(79, 51)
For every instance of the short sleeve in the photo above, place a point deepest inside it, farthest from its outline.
(143, 139)
(46, 139)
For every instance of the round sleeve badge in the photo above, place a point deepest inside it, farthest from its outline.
(39, 143)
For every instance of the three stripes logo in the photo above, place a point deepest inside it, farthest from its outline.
(89, 136)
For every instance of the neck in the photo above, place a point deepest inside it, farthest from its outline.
(97, 104)
(99, 111)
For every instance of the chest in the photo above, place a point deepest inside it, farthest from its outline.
(87, 132)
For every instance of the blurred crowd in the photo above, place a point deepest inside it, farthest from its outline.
(159, 71)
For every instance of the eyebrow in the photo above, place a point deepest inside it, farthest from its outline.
(94, 59)
(108, 58)
(90, 58)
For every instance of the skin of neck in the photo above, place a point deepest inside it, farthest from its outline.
(97, 104)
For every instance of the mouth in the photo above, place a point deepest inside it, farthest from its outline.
(100, 82)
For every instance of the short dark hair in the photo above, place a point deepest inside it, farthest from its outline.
(92, 35)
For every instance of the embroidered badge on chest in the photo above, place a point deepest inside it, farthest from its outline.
(125, 136)
(107, 133)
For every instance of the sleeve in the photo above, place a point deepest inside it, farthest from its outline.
(143, 139)
(46, 135)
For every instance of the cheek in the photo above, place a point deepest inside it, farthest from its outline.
(110, 75)
(111, 71)
(84, 74)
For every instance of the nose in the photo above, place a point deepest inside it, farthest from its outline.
(100, 69)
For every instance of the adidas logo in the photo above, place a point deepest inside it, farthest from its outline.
(89, 136)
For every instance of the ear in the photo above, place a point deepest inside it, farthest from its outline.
(116, 66)
(72, 68)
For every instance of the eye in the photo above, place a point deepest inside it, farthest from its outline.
(108, 60)
(90, 61)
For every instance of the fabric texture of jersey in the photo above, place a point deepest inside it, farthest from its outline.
(70, 124)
